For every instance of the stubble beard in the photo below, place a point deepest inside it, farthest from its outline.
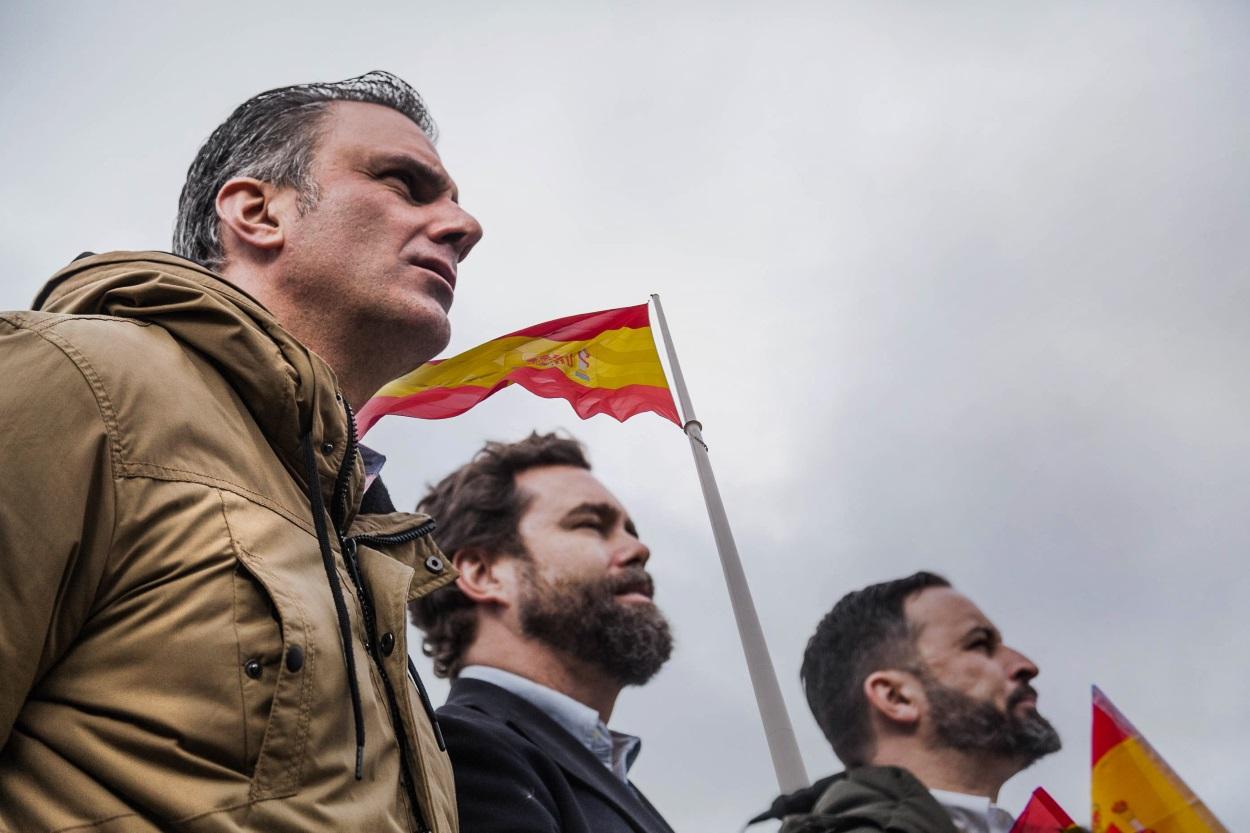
(628, 642)
(969, 725)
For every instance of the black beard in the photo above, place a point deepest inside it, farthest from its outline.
(970, 725)
(583, 618)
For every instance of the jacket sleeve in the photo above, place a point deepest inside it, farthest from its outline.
(501, 785)
(56, 504)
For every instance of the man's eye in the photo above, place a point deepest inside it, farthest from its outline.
(410, 186)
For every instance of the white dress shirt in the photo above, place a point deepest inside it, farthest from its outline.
(974, 813)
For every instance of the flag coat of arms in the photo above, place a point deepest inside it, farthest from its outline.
(1132, 788)
(601, 362)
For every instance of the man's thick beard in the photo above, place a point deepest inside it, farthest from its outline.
(970, 725)
(629, 642)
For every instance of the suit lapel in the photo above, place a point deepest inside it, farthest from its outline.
(575, 759)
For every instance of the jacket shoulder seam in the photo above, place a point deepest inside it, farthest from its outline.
(155, 471)
(108, 414)
(57, 319)
(44, 320)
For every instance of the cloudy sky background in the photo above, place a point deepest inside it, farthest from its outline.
(956, 286)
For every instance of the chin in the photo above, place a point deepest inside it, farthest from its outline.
(428, 326)
(400, 346)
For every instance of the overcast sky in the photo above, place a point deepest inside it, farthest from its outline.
(958, 286)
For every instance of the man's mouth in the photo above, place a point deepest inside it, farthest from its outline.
(442, 268)
(1024, 694)
(634, 589)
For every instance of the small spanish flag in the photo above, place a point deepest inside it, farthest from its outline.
(1132, 789)
(1043, 815)
(601, 362)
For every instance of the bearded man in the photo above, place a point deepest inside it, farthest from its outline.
(550, 618)
(928, 709)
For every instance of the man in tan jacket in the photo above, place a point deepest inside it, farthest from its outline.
(199, 630)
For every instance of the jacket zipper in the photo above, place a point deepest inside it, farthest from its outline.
(338, 513)
(412, 533)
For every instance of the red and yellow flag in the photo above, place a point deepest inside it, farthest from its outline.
(1043, 815)
(1132, 789)
(601, 362)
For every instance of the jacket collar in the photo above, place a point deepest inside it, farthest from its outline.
(882, 797)
(287, 388)
(575, 759)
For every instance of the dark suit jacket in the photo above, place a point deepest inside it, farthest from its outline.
(518, 771)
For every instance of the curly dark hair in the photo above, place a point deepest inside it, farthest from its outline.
(866, 631)
(479, 506)
(273, 137)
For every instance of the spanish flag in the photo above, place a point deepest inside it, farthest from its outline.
(601, 362)
(1043, 815)
(1132, 789)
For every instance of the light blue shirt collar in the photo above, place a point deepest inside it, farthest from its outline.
(373, 462)
(615, 750)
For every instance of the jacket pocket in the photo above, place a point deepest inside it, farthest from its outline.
(276, 654)
(258, 629)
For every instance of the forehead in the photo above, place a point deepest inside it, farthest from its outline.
(354, 131)
(556, 490)
(943, 616)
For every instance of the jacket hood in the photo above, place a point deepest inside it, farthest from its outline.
(863, 798)
(800, 801)
(288, 390)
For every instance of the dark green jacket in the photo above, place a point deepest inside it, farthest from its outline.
(865, 800)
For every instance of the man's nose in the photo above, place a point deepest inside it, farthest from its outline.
(1020, 667)
(634, 553)
(458, 229)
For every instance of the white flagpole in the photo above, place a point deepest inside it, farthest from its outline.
(788, 763)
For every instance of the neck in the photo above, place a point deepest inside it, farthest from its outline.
(969, 773)
(546, 666)
(359, 373)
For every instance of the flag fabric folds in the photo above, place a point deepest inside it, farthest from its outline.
(601, 362)
(1043, 815)
(1132, 789)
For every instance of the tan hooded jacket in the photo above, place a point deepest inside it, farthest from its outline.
(171, 651)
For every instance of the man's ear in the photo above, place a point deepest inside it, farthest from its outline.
(252, 211)
(485, 578)
(894, 695)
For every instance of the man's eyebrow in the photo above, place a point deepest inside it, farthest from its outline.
(605, 512)
(422, 171)
(986, 631)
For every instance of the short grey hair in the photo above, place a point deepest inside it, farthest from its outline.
(273, 137)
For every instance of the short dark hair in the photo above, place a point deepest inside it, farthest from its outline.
(478, 506)
(273, 137)
(866, 631)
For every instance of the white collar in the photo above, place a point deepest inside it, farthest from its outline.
(974, 813)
